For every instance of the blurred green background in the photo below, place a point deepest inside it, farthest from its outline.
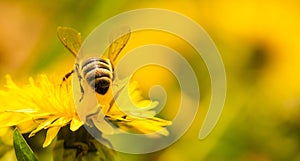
(258, 41)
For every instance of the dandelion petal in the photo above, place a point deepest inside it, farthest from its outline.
(51, 133)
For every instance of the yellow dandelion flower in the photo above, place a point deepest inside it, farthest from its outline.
(44, 104)
(40, 104)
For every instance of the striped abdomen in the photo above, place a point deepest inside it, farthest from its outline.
(98, 74)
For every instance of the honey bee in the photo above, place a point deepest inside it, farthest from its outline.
(98, 72)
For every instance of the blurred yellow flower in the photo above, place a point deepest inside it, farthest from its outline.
(45, 104)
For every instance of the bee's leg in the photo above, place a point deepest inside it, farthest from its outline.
(82, 92)
(79, 79)
(66, 77)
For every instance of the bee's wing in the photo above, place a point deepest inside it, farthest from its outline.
(117, 44)
(70, 38)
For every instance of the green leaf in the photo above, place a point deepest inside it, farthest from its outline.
(22, 149)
